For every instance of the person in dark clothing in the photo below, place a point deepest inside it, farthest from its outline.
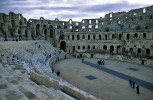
(52, 70)
(133, 84)
(137, 88)
(130, 82)
(58, 73)
(82, 59)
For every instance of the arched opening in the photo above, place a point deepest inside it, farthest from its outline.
(105, 37)
(78, 47)
(73, 48)
(83, 47)
(78, 37)
(120, 36)
(147, 52)
(19, 32)
(131, 49)
(65, 27)
(135, 35)
(44, 26)
(93, 47)
(51, 33)
(45, 31)
(117, 51)
(37, 29)
(61, 37)
(13, 23)
(50, 26)
(63, 46)
(104, 47)
(111, 49)
(94, 37)
(113, 36)
(58, 27)
(146, 27)
(88, 47)
(72, 37)
(139, 52)
(107, 29)
(83, 36)
(88, 37)
(128, 36)
(144, 35)
(99, 37)
(123, 50)
(26, 34)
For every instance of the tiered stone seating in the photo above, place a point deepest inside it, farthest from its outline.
(34, 59)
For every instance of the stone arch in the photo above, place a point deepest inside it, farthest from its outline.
(144, 35)
(127, 36)
(26, 34)
(105, 36)
(88, 37)
(123, 50)
(99, 37)
(78, 47)
(83, 36)
(45, 31)
(13, 23)
(37, 29)
(120, 36)
(147, 52)
(50, 26)
(94, 36)
(83, 47)
(78, 37)
(136, 35)
(118, 48)
(73, 48)
(131, 49)
(113, 36)
(93, 47)
(139, 51)
(65, 27)
(61, 37)
(104, 47)
(4, 17)
(51, 33)
(72, 37)
(111, 49)
(63, 46)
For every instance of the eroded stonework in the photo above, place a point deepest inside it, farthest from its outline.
(121, 35)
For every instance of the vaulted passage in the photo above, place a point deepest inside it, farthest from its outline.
(63, 46)
(37, 29)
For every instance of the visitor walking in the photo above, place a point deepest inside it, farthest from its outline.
(133, 84)
(82, 59)
(137, 88)
(58, 73)
(130, 82)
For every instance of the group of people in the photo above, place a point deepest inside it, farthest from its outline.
(132, 84)
(100, 62)
(57, 73)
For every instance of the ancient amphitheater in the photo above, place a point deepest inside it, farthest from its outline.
(29, 49)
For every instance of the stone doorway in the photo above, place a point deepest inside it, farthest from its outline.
(63, 46)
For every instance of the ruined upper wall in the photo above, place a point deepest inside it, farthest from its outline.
(113, 21)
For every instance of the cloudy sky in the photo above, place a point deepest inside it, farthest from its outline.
(69, 9)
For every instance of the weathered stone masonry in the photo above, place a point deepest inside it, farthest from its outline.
(120, 35)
